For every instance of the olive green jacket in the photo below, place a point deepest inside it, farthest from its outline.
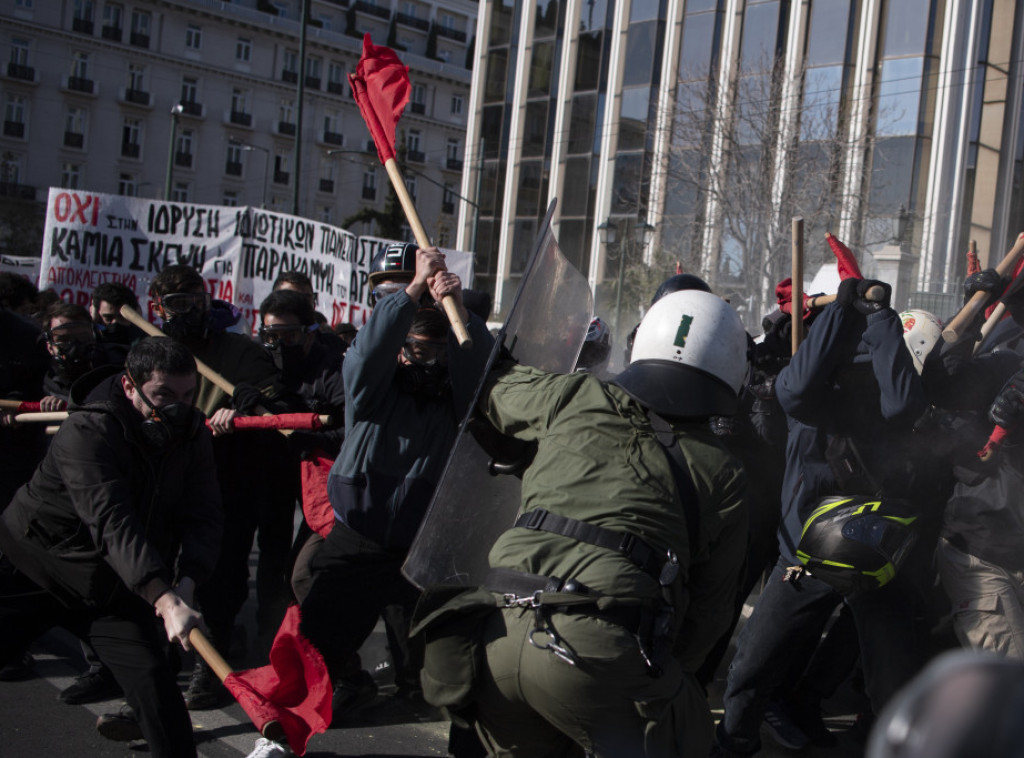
(599, 461)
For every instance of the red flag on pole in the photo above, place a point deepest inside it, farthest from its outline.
(381, 88)
(294, 690)
(846, 262)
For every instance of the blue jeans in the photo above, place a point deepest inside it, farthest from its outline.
(785, 629)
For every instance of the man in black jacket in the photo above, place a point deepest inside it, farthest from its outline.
(121, 519)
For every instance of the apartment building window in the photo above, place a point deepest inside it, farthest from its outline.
(136, 90)
(243, 49)
(230, 199)
(190, 96)
(131, 138)
(193, 37)
(336, 78)
(82, 16)
(181, 192)
(410, 184)
(332, 134)
(23, 4)
(70, 175)
(458, 102)
(79, 79)
(313, 68)
(127, 185)
(453, 155)
(233, 164)
(11, 169)
(74, 127)
(282, 166)
(448, 199)
(113, 21)
(413, 154)
(327, 176)
(418, 99)
(184, 147)
(285, 121)
(20, 48)
(448, 21)
(15, 110)
(326, 214)
(290, 66)
(141, 23)
(240, 107)
(370, 184)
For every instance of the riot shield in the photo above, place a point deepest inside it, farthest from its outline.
(545, 328)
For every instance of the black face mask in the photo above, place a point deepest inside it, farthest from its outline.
(186, 327)
(73, 360)
(170, 423)
(423, 382)
(287, 358)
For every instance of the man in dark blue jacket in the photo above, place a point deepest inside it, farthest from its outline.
(851, 395)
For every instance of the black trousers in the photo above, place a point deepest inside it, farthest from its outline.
(354, 583)
(127, 641)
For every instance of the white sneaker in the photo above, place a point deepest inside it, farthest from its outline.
(268, 749)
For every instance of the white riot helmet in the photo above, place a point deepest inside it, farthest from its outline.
(689, 357)
(921, 330)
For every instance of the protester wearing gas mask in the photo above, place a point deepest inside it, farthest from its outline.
(74, 351)
(121, 519)
(407, 384)
(105, 310)
(182, 303)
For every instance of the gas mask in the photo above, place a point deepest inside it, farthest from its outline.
(425, 375)
(75, 346)
(286, 345)
(170, 423)
(185, 315)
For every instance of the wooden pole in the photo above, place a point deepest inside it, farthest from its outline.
(423, 240)
(965, 317)
(797, 303)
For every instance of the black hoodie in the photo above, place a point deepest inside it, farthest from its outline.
(106, 513)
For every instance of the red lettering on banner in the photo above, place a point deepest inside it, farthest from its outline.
(63, 212)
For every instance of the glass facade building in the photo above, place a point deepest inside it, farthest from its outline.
(897, 125)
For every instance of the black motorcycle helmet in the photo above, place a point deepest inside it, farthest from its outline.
(395, 262)
(857, 543)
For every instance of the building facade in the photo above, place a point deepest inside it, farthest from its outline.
(199, 101)
(894, 124)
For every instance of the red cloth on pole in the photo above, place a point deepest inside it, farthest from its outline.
(381, 88)
(784, 296)
(294, 690)
(316, 507)
(973, 264)
(847, 263)
(1013, 283)
(29, 406)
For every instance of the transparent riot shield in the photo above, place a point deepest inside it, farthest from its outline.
(546, 326)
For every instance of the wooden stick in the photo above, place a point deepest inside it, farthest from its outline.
(40, 418)
(797, 303)
(11, 404)
(875, 294)
(990, 323)
(965, 317)
(423, 240)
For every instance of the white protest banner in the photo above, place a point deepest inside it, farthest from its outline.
(93, 237)
(22, 265)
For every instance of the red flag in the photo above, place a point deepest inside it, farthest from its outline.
(973, 264)
(381, 88)
(846, 262)
(679, 267)
(294, 690)
(784, 296)
(1014, 284)
(316, 506)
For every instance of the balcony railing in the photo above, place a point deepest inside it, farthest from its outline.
(327, 185)
(83, 25)
(416, 23)
(79, 84)
(14, 129)
(18, 71)
(241, 118)
(418, 108)
(191, 108)
(281, 177)
(372, 10)
(137, 96)
(112, 33)
(336, 88)
(233, 168)
(290, 76)
(20, 191)
(286, 128)
(334, 138)
(455, 34)
(415, 156)
(74, 139)
(138, 39)
(453, 164)
(130, 149)
(313, 82)
(183, 159)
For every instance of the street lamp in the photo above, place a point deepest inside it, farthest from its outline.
(900, 222)
(417, 172)
(176, 112)
(248, 147)
(615, 235)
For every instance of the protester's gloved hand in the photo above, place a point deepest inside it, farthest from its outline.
(847, 293)
(246, 397)
(987, 281)
(1008, 408)
(872, 296)
(179, 619)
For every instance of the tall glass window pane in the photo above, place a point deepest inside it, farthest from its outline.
(490, 130)
(633, 118)
(820, 115)
(594, 16)
(640, 49)
(535, 129)
(906, 27)
(899, 96)
(528, 197)
(577, 178)
(583, 123)
(588, 61)
(760, 37)
(501, 22)
(494, 89)
(643, 10)
(540, 69)
(826, 40)
(547, 18)
(626, 187)
(698, 46)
